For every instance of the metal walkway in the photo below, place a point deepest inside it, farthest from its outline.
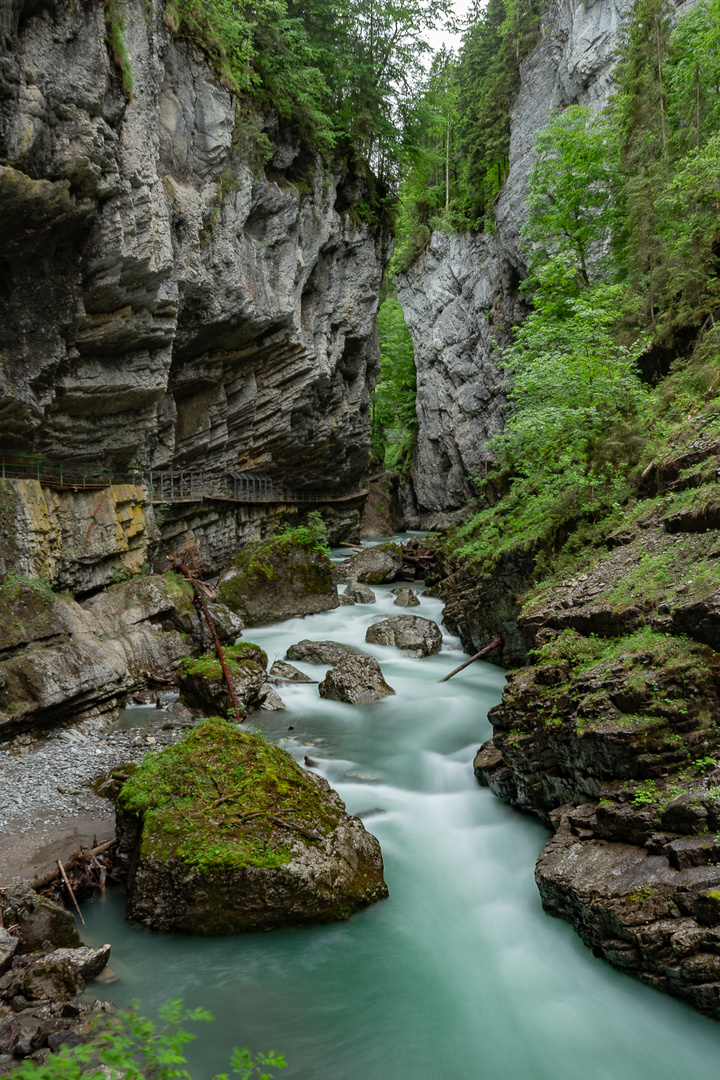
(164, 486)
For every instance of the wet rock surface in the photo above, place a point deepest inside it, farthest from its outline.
(271, 581)
(282, 670)
(613, 743)
(357, 680)
(203, 687)
(411, 633)
(374, 565)
(321, 652)
(359, 593)
(281, 852)
(406, 598)
(41, 982)
(62, 660)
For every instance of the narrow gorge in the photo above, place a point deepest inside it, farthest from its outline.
(327, 357)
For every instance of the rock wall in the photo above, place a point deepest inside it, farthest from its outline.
(173, 294)
(82, 540)
(460, 296)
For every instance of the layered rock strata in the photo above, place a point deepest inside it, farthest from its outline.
(173, 296)
(62, 660)
(610, 736)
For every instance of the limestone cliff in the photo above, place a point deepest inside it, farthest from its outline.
(179, 287)
(460, 296)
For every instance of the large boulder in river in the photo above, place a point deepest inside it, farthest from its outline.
(374, 565)
(357, 680)
(202, 682)
(281, 670)
(411, 633)
(321, 652)
(225, 832)
(280, 578)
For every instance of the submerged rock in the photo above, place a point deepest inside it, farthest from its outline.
(357, 680)
(281, 670)
(226, 833)
(374, 565)
(202, 682)
(321, 652)
(359, 593)
(411, 633)
(277, 579)
(406, 598)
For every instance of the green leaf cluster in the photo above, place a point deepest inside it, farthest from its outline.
(129, 1046)
(394, 422)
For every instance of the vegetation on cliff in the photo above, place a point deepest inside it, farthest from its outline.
(335, 73)
(393, 434)
(617, 364)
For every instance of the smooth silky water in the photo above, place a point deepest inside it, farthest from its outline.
(459, 973)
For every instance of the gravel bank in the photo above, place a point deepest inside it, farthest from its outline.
(47, 803)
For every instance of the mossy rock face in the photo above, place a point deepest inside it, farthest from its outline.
(225, 832)
(277, 579)
(202, 682)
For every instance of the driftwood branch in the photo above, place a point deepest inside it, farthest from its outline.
(41, 880)
(496, 641)
(187, 563)
(72, 894)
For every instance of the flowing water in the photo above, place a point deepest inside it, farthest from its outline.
(459, 973)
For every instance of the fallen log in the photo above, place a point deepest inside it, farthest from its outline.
(72, 894)
(182, 562)
(496, 641)
(41, 880)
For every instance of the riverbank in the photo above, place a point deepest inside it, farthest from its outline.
(48, 805)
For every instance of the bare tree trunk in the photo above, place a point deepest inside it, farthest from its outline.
(660, 80)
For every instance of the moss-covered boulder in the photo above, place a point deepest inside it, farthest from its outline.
(202, 682)
(284, 577)
(224, 832)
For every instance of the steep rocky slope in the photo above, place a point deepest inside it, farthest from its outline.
(179, 288)
(460, 297)
(610, 735)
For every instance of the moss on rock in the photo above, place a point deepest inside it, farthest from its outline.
(226, 832)
(287, 575)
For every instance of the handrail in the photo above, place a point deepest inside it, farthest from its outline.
(164, 486)
(61, 474)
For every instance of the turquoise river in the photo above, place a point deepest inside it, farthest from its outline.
(459, 974)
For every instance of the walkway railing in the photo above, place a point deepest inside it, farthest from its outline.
(189, 486)
(60, 474)
(165, 486)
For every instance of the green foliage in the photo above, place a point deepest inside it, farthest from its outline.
(226, 799)
(573, 201)
(456, 128)
(394, 422)
(312, 535)
(115, 26)
(623, 236)
(132, 1047)
(334, 73)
